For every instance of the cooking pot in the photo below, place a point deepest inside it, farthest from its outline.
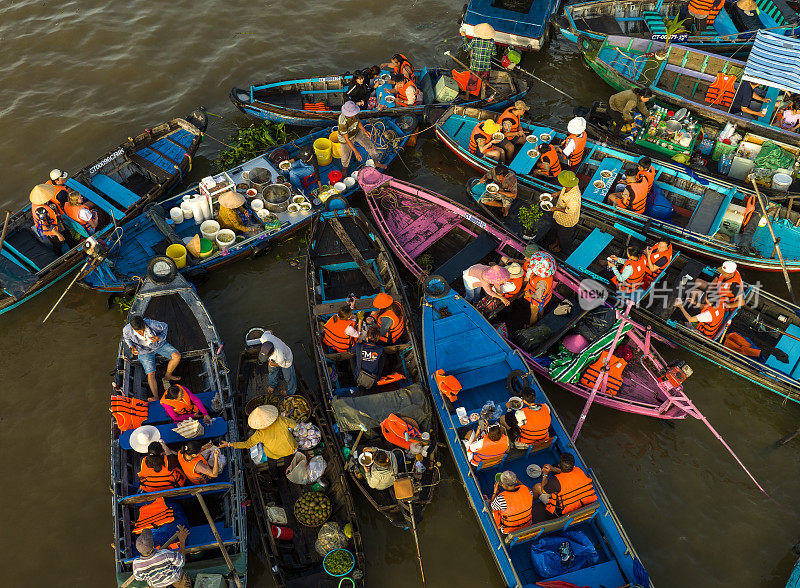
(260, 178)
(276, 197)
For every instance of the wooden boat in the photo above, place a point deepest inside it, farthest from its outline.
(522, 25)
(682, 79)
(150, 234)
(706, 213)
(294, 563)
(120, 184)
(347, 257)
(291, 101)
(794, 578)
(167, 297)
(644, 19)
(484, 368)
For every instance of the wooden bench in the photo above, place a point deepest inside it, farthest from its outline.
(581, 515)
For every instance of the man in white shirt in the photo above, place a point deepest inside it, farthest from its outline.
(281, 361)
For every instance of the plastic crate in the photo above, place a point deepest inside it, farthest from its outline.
(721, 148)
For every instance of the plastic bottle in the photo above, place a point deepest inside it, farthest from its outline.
(565, 551)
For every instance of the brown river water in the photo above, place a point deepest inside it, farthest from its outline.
(78, 77)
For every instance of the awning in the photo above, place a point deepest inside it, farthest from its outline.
(774, 61)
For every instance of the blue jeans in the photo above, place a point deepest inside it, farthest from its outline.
(149, 359)
(288, 375)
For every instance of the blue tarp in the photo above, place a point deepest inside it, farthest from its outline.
(774, 61)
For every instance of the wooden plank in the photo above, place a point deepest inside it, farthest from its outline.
(332, 307)
(174, 492)
(355, 253)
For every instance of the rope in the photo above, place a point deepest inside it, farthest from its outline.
(217, 140)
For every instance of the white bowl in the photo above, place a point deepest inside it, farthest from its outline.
(492, 188)
(257, 204)
(349, 182)
(533, 153)
(294, 208)
(285, 165)
(305, 206)
(546, 205)
(370, 163)
(545, 137)
(388, 99)
(531, 138)
(262, 214)
(340, 187)
(599, 184)
(498, 136)
(605, 173)
(354, 175)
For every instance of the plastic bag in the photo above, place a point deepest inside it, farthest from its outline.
(330, 537)
(277, 515)
(297, 471)
(316, 467)
(257, 453)
(546, 553)
(308, 435)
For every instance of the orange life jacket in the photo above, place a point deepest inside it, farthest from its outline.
(648, 175)
(717, 315)
(655, 256)
(395, 430)
(334, 335)
(580, 144)
(518, 511)
(315, 106)
(636, 279)
(530, 290)
(577, 490)
(518, 283)
(449, 386)
(749, 209)
(58, 190)
(46, 219)
(537, 424)
(478, 133)
(73, 212)
(390, 379)
(129, 413)
(709, 7)
(490, 451)
(722, 90)
(405, 62)
(467, 81)
(400, 98)
(724, 287)
(634, 197)
(165, 479)
(188, 465)
(397, 328)
(551, 157)
(508, 114)
(616, 365)
(152, 515)
(181, 405)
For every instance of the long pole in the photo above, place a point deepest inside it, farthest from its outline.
(416, 541)
(774, 240)
(537, 78)
(224, 551)
(5, 227)
(71, 284)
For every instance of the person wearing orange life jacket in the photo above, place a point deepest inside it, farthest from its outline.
(511, 503)
(634, 270)
(400, 65)
(722, 90)
(595, 370)
(657, 258)
(509, 121)
(194, 464)
(633, 195)
(58, 179)
(564, 488)
(529, 424)
(81, 213)
(341, 331)
(538, 293)
(727, 287)
(159, 469)
(180, 404)
(575, 143)
(389, 318)
(488, 444)
(405, 91)
(47, 218)
(703, 13)
(482, 142)
(710, 318)
(549, 164)
(646, 172)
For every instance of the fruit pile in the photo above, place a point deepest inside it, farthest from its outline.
(312, 509)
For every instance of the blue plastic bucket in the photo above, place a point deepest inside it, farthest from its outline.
(325, 563)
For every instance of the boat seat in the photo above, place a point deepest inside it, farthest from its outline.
(590, 249)
(202, 538)
(169, 149)
(479, 377)
(605, 24)
(182, 137)
(472, 363)
(150, 167)
(475, 251)
(133, 486)
(492, 463)
(157, 159)
(581, 515)
(28, 249)
(112, 189)
(463, 132)
(95, 198)
(654, 21)
(705, 213)
(217, 428)
(74, 226)
(14, 279)
(792, 348)
(611, 164)
(156, 413)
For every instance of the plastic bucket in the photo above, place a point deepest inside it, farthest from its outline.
(177, 253)
(781, 182)
(176, 214)
(209, 230)
(206, 248)
(334, 176)
(336, 147)
(326, 559)
(323, 148)
(186, 209)
(225, 239)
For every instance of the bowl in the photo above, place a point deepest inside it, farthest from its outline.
(263, 214)
(545, 137)
(605, 174)
(349, 182)
(464, 420)
(389, 99)
(498, 136)
(546, 205)
(242, 187)
(545, 197)
(599, 184)
(492, 188)
(276, 197)
(354, 175)
(257, 204)
(293, 208)
(299, 199)
(245, 175)
(533, 153)
(531, 138)
(305, 206)
(370, 163)
(251, 193)
(386, 77)
(475, 416)
(340, 187)
(285, 165)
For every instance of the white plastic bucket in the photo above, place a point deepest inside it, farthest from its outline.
(781, 182)
(225, 234)
(340, 187)
(186, 209)
(176, 214)
(209, 229)
(205, 206)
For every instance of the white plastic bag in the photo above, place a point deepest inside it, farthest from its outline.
(257, 453)
(297, 471)
(316, 467)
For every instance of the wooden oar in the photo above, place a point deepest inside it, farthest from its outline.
(774, 240)
(462, 64)
(224, 551)
(538, 79)
(67, 289)
(416, 540)
(5, 227)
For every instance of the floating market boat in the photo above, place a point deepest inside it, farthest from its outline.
(727, 33)
(347, 260)
(119, 184)
(296, 551)
(684, 76)
(486, 367)
(151, 233)
(520, 24)
(167, 297)
(697, 213)
(317, 101)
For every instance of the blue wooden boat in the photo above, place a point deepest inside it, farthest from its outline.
(704, 209)
(168, 297)
(149, 234)
(794, 579)
(522, 24)
(644, 19)
(317, 101)
(120, 184)
(459, 340)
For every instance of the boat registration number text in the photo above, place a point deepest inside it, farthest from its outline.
(475, 220)
(106, 160)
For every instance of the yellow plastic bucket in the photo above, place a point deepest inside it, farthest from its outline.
(337, 148)
(177, 253)
(322, 147)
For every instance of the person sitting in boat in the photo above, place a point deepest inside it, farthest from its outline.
(727, 287)
(507, 181)
(538, 292)
(646, 172)
(147, 338)
(633, 273)
(526, 421)
(622, 104)
(405, 91)
(747, 99)
(341, 331)
(400, 65)
(388, 318)
(744, 15)
(195, 466)
(272, 430)
(657, 258)
(564, 489)
(703, 13)
(511, 503)
(83, 214)
(234, 215)
(483, 144)
(633, 195)
(180, 404)
(575, 143)
(161, 567)
(379, 467)
(744, 345)
(789, 118)
(359, 91)
(486, 444)
(47, 219)
(481, 48)
(58, 179)
(369, 359)
(160, 469)
(549, 163)
(488, 278)
(351, 131)
(709, 320)
(301, 168)
(509, 121)
(512, 289)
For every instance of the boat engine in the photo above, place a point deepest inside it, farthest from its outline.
(676, 373)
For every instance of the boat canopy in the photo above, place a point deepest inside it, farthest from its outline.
(774, 61)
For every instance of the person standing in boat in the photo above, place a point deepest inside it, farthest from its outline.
(566, 213)
(622, 104)
(481, 49)
(278, 356)
(510, 125)
(573, 146)
(351, 131)
(487, 278)
(511, 503)
(147, 338)
(507, 182)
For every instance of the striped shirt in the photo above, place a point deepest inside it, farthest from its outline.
(499, 502)
(480, 52)
(162, 568)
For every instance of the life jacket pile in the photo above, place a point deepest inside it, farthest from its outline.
(616, 365)
(518, 512)
(129, 413)
(398, 432)
(334, 334)
(315, 106)
(449, 386)
(467, 81)
(577, 490)
(152, 515)
(722, 90)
